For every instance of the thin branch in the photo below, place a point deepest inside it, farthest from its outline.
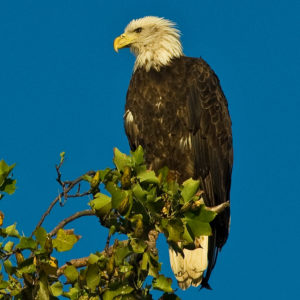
(77, 215)
(76, 262)
(62, 183)
(58, 179)
(70, 186)
(78, 195)
(78, 189)
(107, 242)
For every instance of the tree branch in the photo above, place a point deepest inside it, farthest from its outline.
(76, 262)
(65, 191)
(82, 261)
(77, 215)
(78, 195)
(152, 237)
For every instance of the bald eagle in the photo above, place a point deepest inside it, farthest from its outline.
(176, 110)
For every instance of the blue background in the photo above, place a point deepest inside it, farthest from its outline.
(62, 88)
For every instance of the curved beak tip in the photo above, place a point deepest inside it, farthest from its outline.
(116, 44)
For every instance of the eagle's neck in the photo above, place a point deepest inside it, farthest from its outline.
(158, 54)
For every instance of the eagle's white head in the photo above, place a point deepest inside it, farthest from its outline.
(154, 41)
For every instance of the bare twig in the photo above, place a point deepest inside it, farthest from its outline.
(78, 189)
(58, 179)
(62, 183)
(107, 242)
(77, 215)
(71, 184)
(77, 195)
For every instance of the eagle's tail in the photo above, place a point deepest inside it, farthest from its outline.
(189, 269)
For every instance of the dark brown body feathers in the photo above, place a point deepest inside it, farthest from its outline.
(179, 115)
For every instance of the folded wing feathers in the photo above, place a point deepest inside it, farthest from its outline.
(189, 269)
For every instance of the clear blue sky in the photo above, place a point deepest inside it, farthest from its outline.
(62, 88)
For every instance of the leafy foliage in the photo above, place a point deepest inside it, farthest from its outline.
(140, 204)
(7, 184)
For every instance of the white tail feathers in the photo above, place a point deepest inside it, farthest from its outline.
(189, 269)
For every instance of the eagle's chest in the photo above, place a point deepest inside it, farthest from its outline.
(156, 118)
(157, 106)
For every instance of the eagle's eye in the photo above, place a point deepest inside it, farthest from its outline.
(138, 30)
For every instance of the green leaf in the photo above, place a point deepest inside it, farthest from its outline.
(163, 174)
(103, 173)
(172, 188)
(64, 240)
(121, 253)
(148, 176)
(27, 266)
(8, 267)
(162, 283)
(26, 243)
(152, 195)
(43, 292)
(48, 245)
(9, 186)
(62, 156)
(139, 193)
(197, 226)
(92, 277)
(125, 206)
(138, 156)
(112, 230)
(125, 268)
(93, 258)
(8, 246)
(175, 229)
(87, 178)
(95, 181)
(5, 169)
(121, 160)
(137, 220)
(56, 289)
(187, 236)
(71, 273)
(12, 231)
(138, 245)
(117, 195)
(3, 285)
(41, 236)
(154, 266)
(72, 293)
(145, 261)
(190, 187)
(206, 215)
(101, 204)
(123, 290)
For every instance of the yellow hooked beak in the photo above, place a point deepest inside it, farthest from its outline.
(122, 41)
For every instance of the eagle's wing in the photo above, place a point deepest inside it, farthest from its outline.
(210, 128)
